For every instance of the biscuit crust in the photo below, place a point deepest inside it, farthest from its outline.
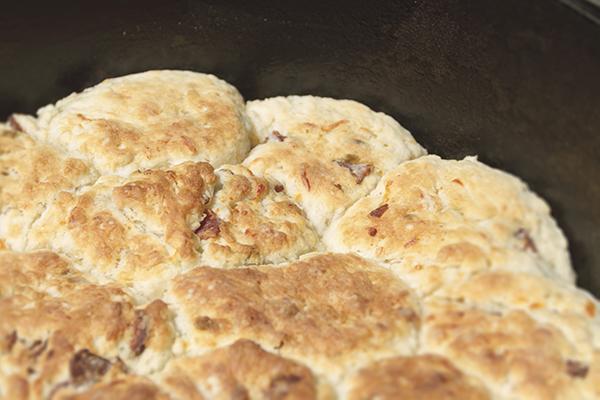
(136, 230)
(327, 153)
(252, 221)
(423, 377)
(434, 221)
(151, 119)
(326, 310)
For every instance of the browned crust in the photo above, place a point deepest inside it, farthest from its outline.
(326, 306)
(242, 370)
(425, 377)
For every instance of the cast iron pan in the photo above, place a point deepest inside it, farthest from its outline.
(517, 82)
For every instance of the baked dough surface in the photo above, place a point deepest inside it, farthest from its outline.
(150, 119)
(161, 239)
(434, 221)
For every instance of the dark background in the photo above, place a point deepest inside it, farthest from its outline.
(517, 82)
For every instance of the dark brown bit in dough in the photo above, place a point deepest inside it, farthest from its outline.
(209, 227)
(379, 211)
(86, 367)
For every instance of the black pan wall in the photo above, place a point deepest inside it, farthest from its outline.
(517, 82)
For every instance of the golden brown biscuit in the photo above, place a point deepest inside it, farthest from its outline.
(320, 186)
(433, 220)
(510, 351)
(252, 221)
(327, 153)
(31, 175)
(572, 311)
(53, 319)
(121, 387)
(334, 128)
(329, 311)
(136, 230)
(423, 377)
(147, 120)
(239, 371)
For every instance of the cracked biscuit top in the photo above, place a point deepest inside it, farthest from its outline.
(135, 230)
(327, 153)
(55, 323)
(150, 119)
(437, 220)
(31, 175)
(332, 311)
(252, 220)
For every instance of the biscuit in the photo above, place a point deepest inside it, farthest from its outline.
(422, 377)
(147, 120)
(31, 175)
(251, 220)
(327, 153)
(125, 387)
(53, 320)
(434, 220)
(573, 311)
(136, 230)
(510, 351)
(329, 311)
(241, 370)
(334, 129)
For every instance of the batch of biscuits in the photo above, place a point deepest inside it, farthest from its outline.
(164, 239)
